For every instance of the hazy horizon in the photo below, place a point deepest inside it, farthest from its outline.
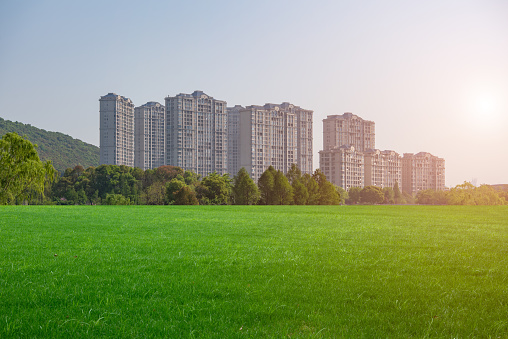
(433, 76)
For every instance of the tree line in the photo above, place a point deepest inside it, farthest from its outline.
(24, 178)
(171, 185)
(464, 194)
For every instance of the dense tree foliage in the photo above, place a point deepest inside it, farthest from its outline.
(343, 194)
(22, 174)
(116, 199)
(295, 188)
(215, 189)
(372, 195)
(245, 191)
(63, 150)
(328, 195)
(354, 195)
(464, 194)
(312, 188)
(282, 190)
(25, 178)
(397, 195)
(389, 195)
(266, 184)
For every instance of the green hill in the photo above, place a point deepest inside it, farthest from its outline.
(63, 150)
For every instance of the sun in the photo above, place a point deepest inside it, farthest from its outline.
(486, 106)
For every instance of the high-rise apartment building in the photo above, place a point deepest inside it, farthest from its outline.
(149, 136)
(234, 139)
(345, 139)
(343, 166)
(270, 135)
(382, 168)
(196, 133)
(116, 130)
(422, 171)
(348, 129)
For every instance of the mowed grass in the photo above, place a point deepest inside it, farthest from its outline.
(260, 271)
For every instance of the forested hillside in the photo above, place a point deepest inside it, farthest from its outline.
(63, 150)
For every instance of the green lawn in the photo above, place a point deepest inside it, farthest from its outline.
(261, 271)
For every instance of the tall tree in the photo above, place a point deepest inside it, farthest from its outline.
(389, 195)
(21, 171)
(266, 186)
(327, 193)
(294, 174)
(282, 190)
(397, 195)
(312, 189)
(342, 194)
(245, 191)
(300, 193)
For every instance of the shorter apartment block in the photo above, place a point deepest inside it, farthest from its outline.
(349, 159)
(382, 168)
(149, 136)
(422, 171)
(343, 166)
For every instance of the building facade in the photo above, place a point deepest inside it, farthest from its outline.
(116, 130)
(196, 133)
(382, 168)
(234, 139)
(149, 136)
(348, 129)
(343, 166)
(270, 135)
(346, 138)
(422, 171)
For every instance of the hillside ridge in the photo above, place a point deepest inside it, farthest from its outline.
(62, 149)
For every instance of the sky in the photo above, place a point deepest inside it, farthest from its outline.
(432, 75)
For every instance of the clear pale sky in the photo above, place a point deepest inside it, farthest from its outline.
(433, 75)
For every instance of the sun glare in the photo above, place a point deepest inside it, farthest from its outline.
(485, 112)
(485, 105)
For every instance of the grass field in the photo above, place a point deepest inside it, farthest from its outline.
(226, 271)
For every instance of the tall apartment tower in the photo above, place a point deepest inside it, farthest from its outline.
(234, 139)
(196, 133)
(270, 135)
(382, 168)
(149, 136)
(422, 171)
(348, 129)
(116, 130)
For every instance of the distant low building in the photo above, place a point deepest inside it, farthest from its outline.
(422, 171)
(116, 130)
(382, 168)
(343, 166)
